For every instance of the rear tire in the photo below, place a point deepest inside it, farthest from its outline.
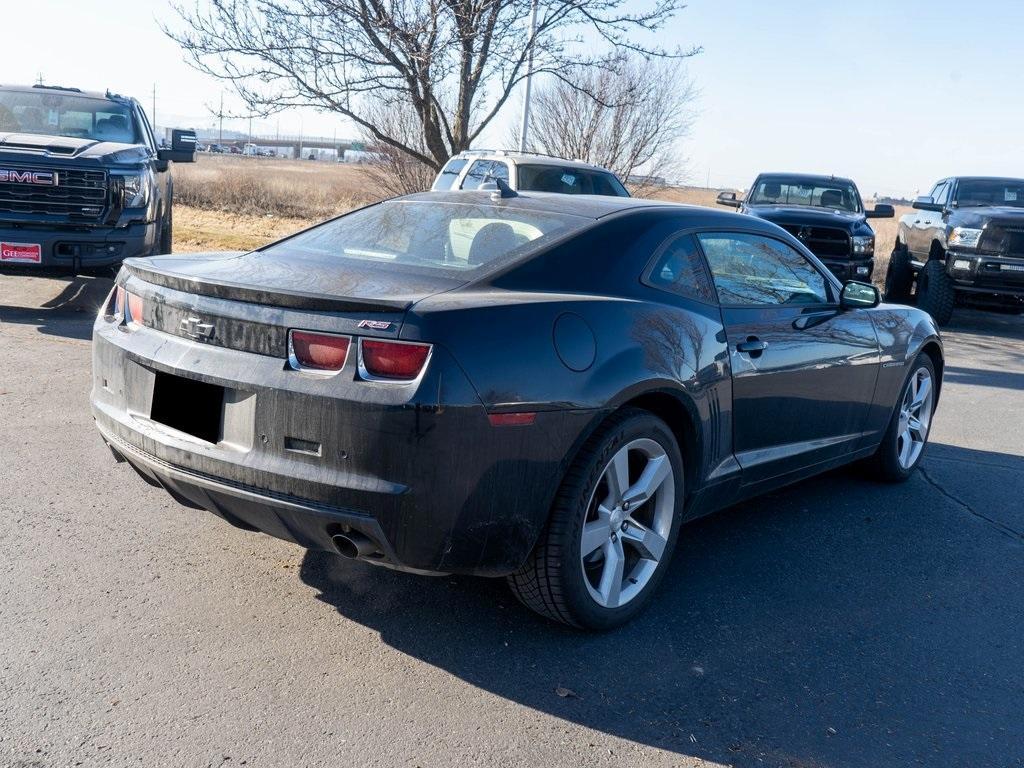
(935, 292)
(906, 438)
(899, 277)
(607, 544)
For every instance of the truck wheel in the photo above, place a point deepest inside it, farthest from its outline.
(166, 231)
(899, 277)
(613, 526)
(935, 292)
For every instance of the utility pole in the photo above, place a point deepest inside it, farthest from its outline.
(220, 114)
(39, 78)
(529, 78)
(250, 129)
(154, 106)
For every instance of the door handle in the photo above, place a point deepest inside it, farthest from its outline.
(753, 346)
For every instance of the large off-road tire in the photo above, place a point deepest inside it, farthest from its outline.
(906, 437)
(613, 526)
(899, 277)
(167, 230)
(935, 292)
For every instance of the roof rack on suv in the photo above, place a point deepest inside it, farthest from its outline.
(57, 88)
(517, 152)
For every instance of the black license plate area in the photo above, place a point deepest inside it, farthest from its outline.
(189, 406)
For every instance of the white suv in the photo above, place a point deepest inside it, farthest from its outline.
(530, 172)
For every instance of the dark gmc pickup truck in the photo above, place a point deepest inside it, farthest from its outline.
(83, 182)
(963, 245)
(825, 213)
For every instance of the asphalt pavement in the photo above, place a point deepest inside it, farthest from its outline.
(839, 622)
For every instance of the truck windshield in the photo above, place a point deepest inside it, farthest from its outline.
(981, 192)
(63, 114)
(834, 195)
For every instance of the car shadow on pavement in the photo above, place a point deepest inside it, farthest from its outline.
(70, 313)
(840, 621)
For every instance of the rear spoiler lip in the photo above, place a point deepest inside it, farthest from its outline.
(254, 295)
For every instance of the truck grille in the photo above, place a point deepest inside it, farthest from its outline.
(1004, 239)
(823, 242)
(78, 195)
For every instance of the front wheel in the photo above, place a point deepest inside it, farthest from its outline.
(907, 435)
(899, 277)
(167, 231)
(613, 527)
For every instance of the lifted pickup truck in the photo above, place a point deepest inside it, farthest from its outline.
(83, 182)
(825, 213)
(963, 245)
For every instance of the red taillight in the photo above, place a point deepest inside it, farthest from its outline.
(394, 360)
(134, 308)
(119, 294)
(317, 351)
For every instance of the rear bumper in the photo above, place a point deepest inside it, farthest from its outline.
(417, 469)
(80, 249)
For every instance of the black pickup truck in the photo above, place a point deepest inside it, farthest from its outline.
(825, 213)
(83, 182)
(964, 244)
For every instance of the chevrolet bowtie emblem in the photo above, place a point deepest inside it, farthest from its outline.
(195, 328)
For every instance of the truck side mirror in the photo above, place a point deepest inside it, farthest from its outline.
(728, 198)
(183, 147)
(881, 211)
(925, 203)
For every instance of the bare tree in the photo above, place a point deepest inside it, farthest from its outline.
(627, 116)
(455, 62)
(393, 170)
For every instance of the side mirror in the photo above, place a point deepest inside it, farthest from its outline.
(858, 295)
(882, 211)
(183, 147)
(728, 198)
(925, 203)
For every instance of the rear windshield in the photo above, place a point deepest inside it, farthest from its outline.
(981, 192)
(569, 181)
(62, 114)
(450, 238)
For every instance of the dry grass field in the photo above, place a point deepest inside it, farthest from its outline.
(238, 203)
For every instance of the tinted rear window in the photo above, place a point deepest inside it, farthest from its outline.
(569, 181)
(449, 174)
(448, 238)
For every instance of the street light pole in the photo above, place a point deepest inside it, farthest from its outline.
(529, 78)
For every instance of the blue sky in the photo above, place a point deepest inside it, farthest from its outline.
(894, 94)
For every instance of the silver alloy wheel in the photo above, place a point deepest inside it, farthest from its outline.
(629, 518)
(915, 418)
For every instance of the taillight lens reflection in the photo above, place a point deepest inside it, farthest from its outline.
(119, 294)
(395, 360)
(318, 351)
(134, 308)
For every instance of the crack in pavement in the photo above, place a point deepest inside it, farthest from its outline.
(1004, 529)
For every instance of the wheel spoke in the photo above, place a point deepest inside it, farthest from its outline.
(595, 534)
(610, 587)
(922, 390)
(617, 476)
(648, 543)
(906, 444)
(650, 481)
(915, 428)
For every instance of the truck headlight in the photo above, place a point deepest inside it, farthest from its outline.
(136, 189)
(863, 245)
(964, 237)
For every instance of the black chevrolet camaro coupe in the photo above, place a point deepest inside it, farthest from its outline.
(543, 387)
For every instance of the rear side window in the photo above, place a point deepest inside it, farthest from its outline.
(477, 174)
(566, 180)
(679, 268)
(755, 270)
(449, 174)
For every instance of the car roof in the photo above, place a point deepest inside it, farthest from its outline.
(813, 177)
(587, 206)
(59, 90)
(533, 158)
